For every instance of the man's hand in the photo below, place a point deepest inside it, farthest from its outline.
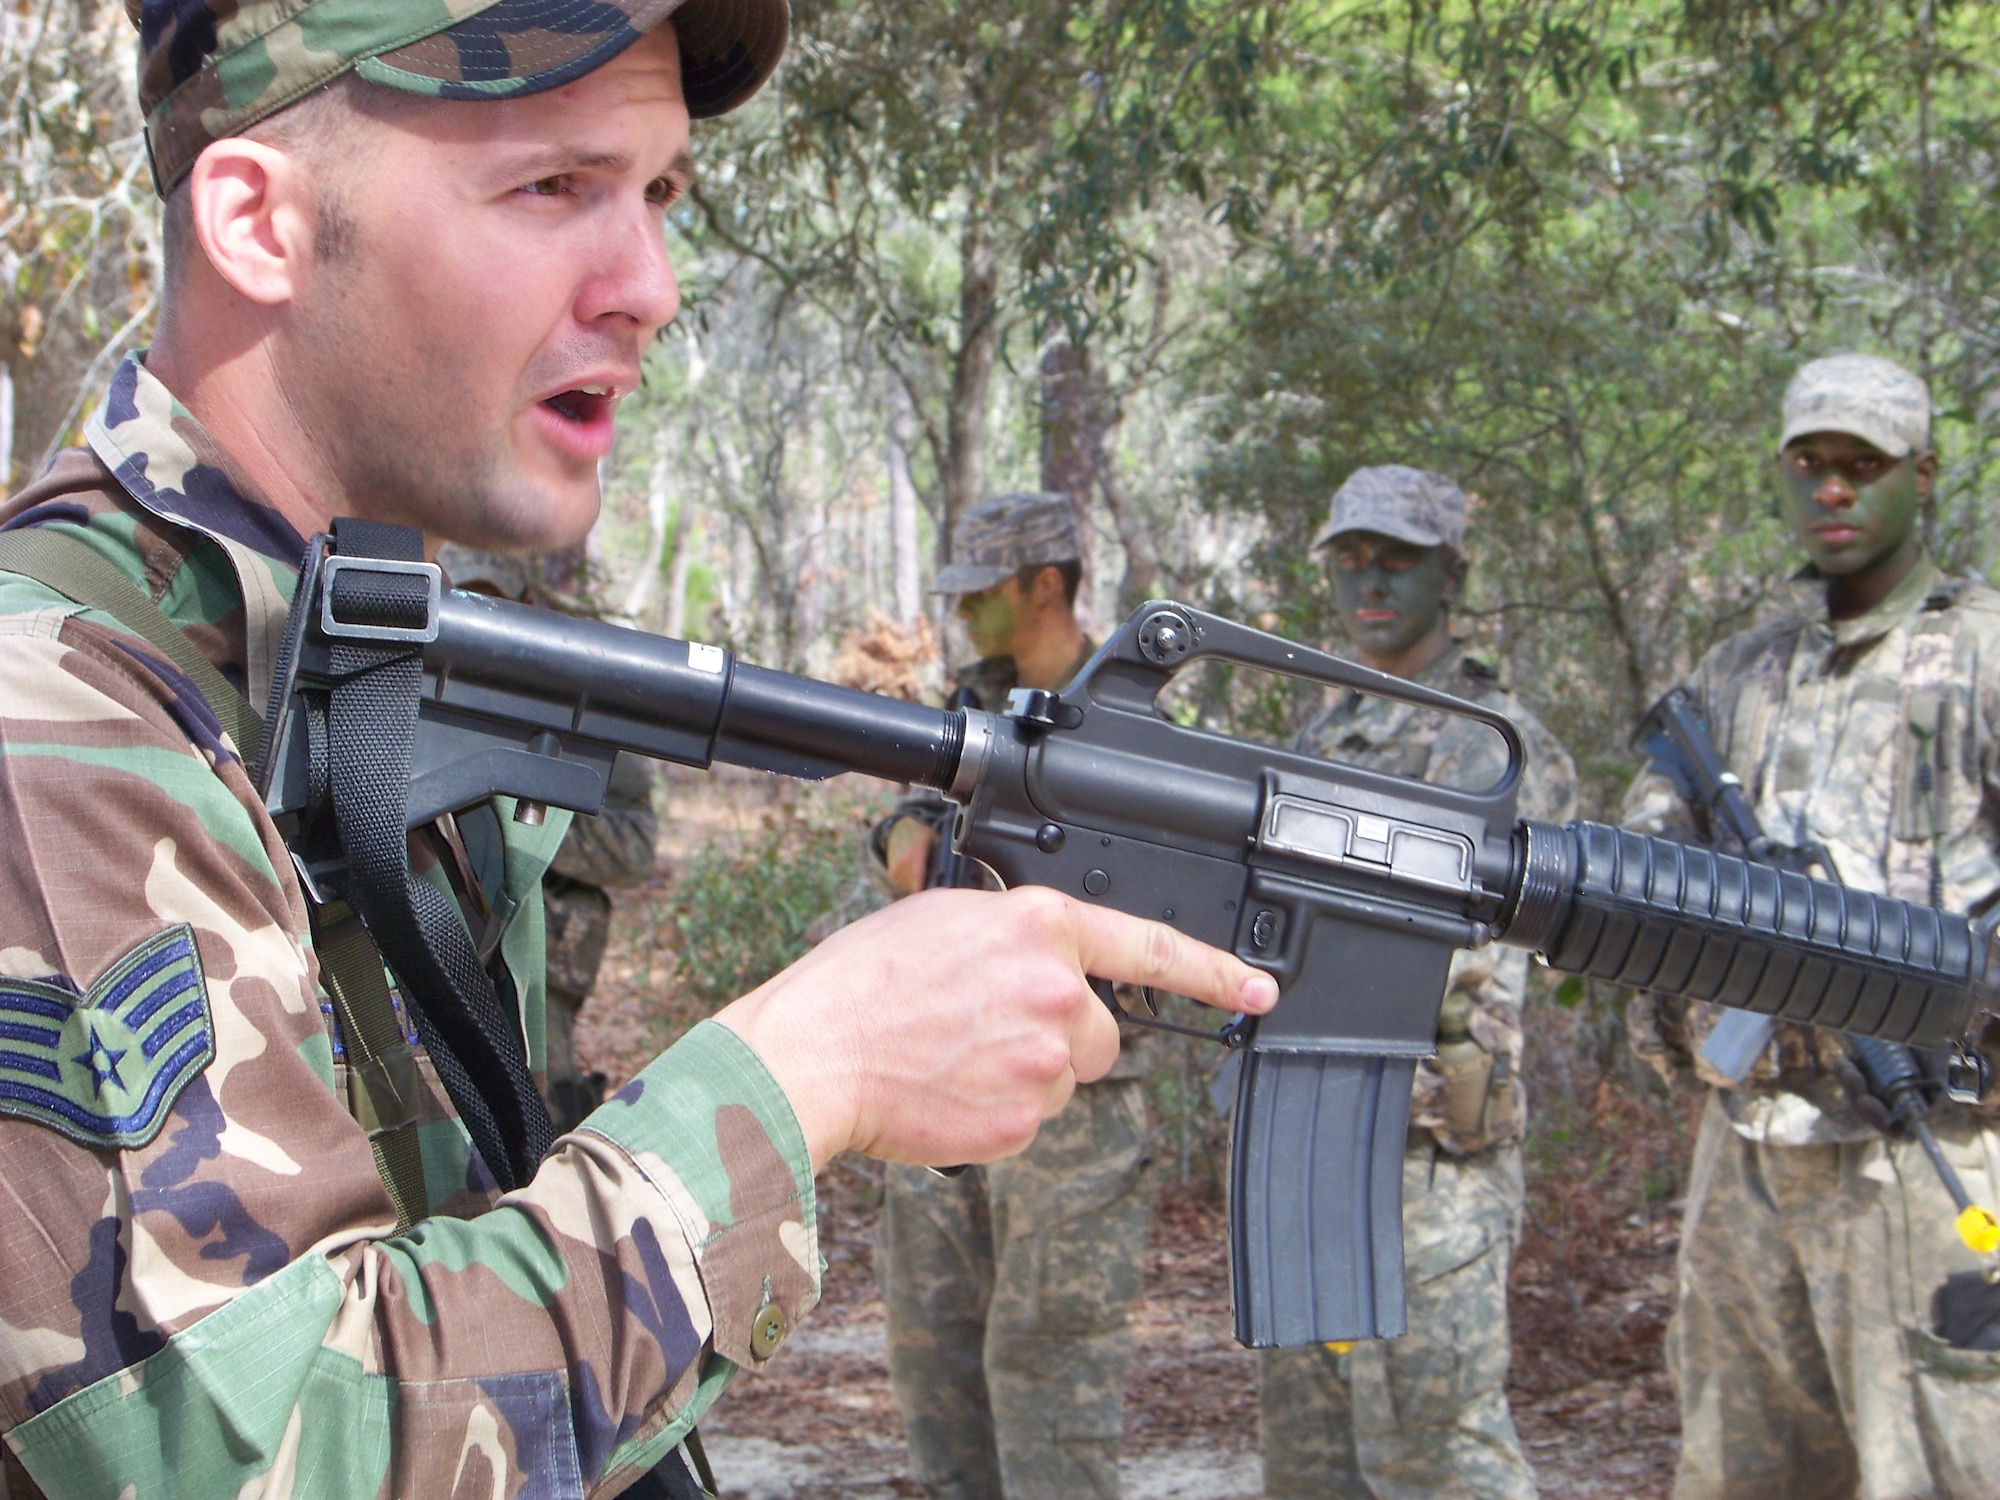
(907, 852)
(947, 1027)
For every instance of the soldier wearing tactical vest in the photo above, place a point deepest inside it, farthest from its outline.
(1425, 1414)
(1865, 718)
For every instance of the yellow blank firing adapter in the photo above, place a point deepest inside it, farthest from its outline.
(1979, 1229)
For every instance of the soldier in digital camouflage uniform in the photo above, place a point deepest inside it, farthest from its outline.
(427, 309)
(1425, 1414)
(1009, 1288)
(1864, 718)
(614, 848)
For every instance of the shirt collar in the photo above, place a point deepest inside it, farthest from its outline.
(1809, 588)
(170, 465)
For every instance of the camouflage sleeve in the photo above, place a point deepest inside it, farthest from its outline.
(204, 1291)
(615, 847)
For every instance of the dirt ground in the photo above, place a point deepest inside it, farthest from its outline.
(1589, 1298)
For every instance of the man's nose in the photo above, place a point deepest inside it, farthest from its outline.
(1833, 491)
(635, 277)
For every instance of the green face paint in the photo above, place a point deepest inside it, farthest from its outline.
(1391, 593)
(992, 617)
(1853, 508)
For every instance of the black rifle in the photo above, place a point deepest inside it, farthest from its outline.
(950, 869)
(1353, 887)
(1676, 739)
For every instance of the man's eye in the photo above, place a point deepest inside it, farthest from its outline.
(664, 192)
(548, 187)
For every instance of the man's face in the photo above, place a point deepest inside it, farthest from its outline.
(462, 352)
(992, 617)
(1390, 593)
(1852, 506)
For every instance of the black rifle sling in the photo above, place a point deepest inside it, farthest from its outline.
(473, 1041)
(349, 964)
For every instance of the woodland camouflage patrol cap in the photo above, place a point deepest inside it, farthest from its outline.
(214, 68)
(1412, 505)
(998, 537)
(1876, 400)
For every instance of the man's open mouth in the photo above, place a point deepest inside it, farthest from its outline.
(584, 403)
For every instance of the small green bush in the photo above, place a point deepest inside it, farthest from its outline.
(745, 904)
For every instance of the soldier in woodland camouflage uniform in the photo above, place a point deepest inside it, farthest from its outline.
(613, 848)
(1009, 1288)
(1426, 1414)
(1864, 718)
(425, 306)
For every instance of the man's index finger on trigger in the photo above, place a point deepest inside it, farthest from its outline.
(1131, 950)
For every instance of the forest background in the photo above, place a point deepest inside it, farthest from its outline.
(1192, 262)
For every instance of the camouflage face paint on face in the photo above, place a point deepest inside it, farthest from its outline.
(992, 617)
(1391, 594)
(1853, 508)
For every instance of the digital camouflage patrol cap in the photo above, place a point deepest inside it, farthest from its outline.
(213, 68)
(1876, 400)
(998, 537)
(1412, 505)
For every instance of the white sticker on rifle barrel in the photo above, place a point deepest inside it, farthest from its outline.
(705, 658)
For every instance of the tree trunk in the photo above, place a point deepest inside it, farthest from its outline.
(1067, 446)
(659, 495)
(971, 379)
(674, 621)
(1142, 558)
(903, 517)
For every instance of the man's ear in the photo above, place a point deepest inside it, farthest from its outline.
(1927, 472)
(253, 210)
(1048, 587)
(1456, 567)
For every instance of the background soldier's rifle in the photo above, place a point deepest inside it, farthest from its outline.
(1353, 887)
(1895, 1077)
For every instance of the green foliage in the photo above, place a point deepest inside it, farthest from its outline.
(1570, 252)
(745, 905)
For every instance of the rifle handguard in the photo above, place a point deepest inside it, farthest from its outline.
(1685, 921)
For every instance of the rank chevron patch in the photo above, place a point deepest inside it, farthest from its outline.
(105, 1068)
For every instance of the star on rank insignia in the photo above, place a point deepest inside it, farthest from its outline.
(105, 1068)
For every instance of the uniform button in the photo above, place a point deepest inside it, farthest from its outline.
(767, 1330)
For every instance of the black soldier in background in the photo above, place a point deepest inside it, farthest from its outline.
(614, 848)
(1864, 719)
